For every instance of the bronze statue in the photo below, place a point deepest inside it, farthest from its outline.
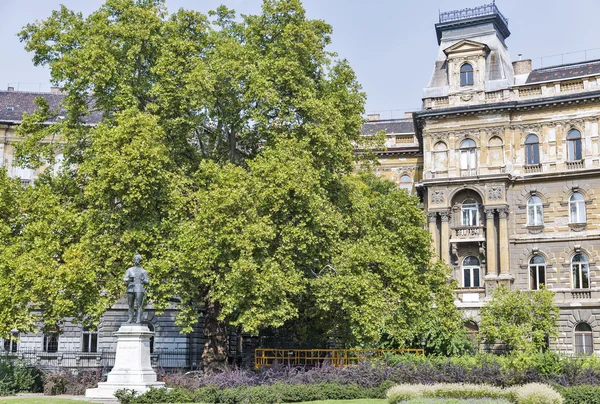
(136, 277)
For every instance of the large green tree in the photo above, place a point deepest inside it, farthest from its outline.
(221, 149)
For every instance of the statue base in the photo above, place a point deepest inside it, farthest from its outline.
(132, 368)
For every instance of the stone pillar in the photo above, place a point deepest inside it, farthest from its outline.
(504, 258)
(445, 239)
(490, 237)
(433, 230)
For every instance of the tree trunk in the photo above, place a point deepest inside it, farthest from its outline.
(214, 356)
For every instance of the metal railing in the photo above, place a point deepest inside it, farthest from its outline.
(264, 357)
(486, 9)
(179, 359)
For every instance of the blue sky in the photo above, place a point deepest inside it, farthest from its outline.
(391, 44)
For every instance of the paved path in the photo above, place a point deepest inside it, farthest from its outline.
(40, 396)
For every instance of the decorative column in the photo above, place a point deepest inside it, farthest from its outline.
(504, 258)
(445, 239)
(433, 230)
(490, 237)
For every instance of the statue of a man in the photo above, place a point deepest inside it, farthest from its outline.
(136, 277)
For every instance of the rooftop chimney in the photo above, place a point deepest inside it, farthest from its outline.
(55, 90)
(408, 115)
(522, 66)
(372, 117)
(10, 89)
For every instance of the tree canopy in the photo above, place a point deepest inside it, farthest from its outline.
(522, 320)
(224, 155)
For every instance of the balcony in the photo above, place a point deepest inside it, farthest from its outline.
(533, 168)
(574, 165)
(468, 233)
(468, 172)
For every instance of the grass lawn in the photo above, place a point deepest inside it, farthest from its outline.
(361, 401)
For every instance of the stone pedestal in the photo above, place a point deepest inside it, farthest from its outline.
(132, 368)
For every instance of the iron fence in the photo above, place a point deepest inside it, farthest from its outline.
(51, 361)
(486, 9)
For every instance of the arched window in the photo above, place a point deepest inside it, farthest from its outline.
(470, 268)
(406, 183)
(472, 331)
(537, 272)
(535, 212)
(584, 342)
(496, 151)
(466, 75)
(577, 208)
(89, 341)
(532, 150)
(574, 145)
(468, 161)
(581, 271)
(440, 156)
(470, 212)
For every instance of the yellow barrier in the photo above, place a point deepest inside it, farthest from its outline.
(312, 357)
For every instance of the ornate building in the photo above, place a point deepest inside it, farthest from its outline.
(511, 166)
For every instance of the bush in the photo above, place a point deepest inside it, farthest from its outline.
(455, 401)
(527, 394)
(68, 382)
(581, 394)
(272, 394)
(17, 377)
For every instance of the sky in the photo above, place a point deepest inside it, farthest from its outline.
(391, 44)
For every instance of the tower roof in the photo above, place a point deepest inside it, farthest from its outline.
(471, 17)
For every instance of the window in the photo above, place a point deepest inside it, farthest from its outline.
(537, 272)
(89, 341)
(574, 145)
(470, 272)
(470, 212)
(466, 75)
(535, 213)
(406, 183)
(472, 331)
(10, 344)
(50, 342)
(468, 162)
(440, 156)
(581, 271)
(577, 208)
(532, 150)
(584, 344)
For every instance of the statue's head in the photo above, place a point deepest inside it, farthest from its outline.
(137, 259)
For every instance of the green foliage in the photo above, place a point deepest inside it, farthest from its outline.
(16, 377)
(224, 155)
(272, 394)
(580, 394)
(520, 319)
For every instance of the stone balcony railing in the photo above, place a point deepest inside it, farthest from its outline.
(574, 165)
(468, 232)
(533, 168)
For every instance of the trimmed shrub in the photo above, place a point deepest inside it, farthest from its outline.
(455, 401)
(527, 394)
(535, 393)
(580, 394)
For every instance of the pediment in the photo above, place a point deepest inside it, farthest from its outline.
(466, 46)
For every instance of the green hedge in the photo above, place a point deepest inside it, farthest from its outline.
(17, 377)
(276, 393)
(580, 394)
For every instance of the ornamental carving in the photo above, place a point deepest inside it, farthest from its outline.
(495, 194)
(437, 197)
